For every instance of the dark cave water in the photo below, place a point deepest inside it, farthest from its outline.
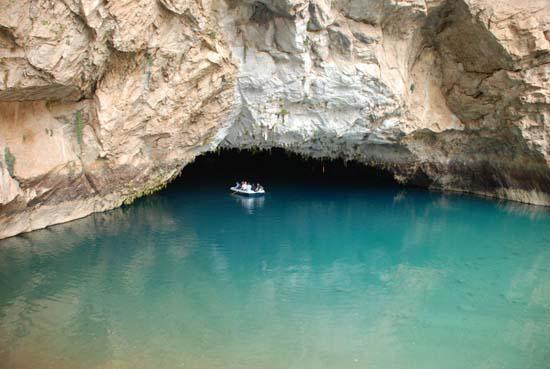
(313, 275)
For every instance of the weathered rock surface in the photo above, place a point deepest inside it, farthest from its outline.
(104, 101)
(449, 94)
(101, 102)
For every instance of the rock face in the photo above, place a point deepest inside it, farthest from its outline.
(101, 102)
(449, 94)
(104, 101)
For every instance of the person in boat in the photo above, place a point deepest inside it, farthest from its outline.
(237, 185)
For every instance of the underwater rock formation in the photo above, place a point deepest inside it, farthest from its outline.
(105, 101)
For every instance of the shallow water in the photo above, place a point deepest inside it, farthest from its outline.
(328, 277)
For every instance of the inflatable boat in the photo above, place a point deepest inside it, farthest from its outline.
(238, 191)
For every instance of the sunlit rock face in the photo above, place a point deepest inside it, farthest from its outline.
(104, 101)
(448, 94)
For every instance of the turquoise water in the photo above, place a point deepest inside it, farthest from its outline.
(324, 277)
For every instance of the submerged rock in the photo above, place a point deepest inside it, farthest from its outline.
(101, 102)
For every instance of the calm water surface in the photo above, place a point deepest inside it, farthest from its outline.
(313, 278)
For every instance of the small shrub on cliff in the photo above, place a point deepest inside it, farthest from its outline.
(283, 113)
(212, 35)
(9, 159)
(79, 126)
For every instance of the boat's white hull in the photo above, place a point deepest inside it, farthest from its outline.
(238, 191)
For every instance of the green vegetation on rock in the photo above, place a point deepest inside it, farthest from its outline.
(283, 113)
(9, 159)
(145, 192)
(79, 126)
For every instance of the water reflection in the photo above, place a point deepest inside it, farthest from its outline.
(399, 196)
(530, 211)
(249, 203)
(319, 279)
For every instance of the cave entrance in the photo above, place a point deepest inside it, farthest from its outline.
(278, 166)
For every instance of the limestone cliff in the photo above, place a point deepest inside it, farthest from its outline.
(102, 101)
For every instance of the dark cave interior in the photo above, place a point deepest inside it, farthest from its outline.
(279, 166)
